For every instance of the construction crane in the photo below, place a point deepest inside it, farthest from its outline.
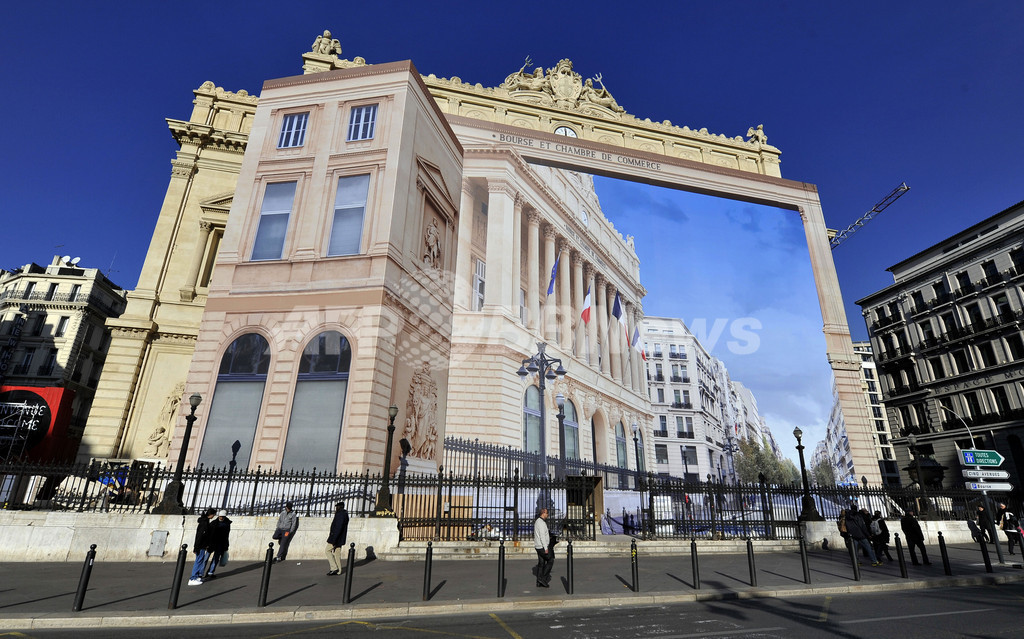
(841, 236)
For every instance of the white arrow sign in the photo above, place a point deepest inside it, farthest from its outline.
(996, 487)
(985, 474)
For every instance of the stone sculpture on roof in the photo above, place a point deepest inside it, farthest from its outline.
(562, 87)
(325, 45)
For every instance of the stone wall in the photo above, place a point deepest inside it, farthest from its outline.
(954, 532)
(63, 536)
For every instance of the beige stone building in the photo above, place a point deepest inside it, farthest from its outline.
(452, 263)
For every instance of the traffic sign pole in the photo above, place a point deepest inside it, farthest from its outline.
(992, 459)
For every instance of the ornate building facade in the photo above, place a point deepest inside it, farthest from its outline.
(461, 262)
(949, 346)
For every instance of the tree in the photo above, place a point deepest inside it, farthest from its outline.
(753, 459)
(823, 474)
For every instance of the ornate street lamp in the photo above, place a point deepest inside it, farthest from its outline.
(383, 506)
(171, 503)
(912, 442)
(809, 511)
(548, 369)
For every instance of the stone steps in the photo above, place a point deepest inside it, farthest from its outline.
(612, 546)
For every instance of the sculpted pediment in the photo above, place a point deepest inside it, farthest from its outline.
(562, 87)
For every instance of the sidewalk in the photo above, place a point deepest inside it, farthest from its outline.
(41, 595)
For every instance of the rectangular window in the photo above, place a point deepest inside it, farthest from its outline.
(522, 306)
(661, 453)
(1015, 346)
(349, 210)
(960, 359)
(989, 267)
(62, 327)
(974, 314)
(686, 397)
(26, 361)
(948, 323)
(37, 324)
(273, 224)
(1000, 400)
(75, 290)
(926, 330)
(938, 372)
(479, 281)
(1002, 304)
(963, 281)
(661, 395)
(988, 354)
(51, 292)
(29, 290)
(293, 131)
(361, 123)
(50, 363)
(689, 457)
(973, 405)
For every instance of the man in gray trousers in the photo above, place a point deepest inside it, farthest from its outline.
(545, 551)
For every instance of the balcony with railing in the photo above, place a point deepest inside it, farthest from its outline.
(20, 369)
(661, 433)
(682, 405)
(940, 300)
(991, 280)
(682, 434)
(659, 378)
(677, 355)
(676, 378)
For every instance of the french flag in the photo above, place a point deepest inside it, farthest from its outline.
(620, 316)
(636, 343)
(586, 308)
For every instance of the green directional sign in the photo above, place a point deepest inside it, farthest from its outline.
(974, 457)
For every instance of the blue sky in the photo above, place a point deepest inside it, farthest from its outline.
(858, 96)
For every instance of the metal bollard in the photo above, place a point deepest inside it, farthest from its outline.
(568, 560)
(501, 568)
(694, 563)
(635, 567)
(803, 560)
(268, 562)
(899, 555)
(984, 554)
(750, 563)
(349, 567)
(945, 556)
(426, 570)
(83, 582)
(179, 572)
(853, 559)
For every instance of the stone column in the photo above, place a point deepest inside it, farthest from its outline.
(188, 292)
(601, 297)
(517, 253)
(591, 327)
(500, 201)
(532, 266)
(463, 256)
(577, 306)
(549, 300)
(565, 296)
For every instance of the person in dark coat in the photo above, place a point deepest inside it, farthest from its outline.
(859, 535)
(337, 537)
(881, 539)
(220, 531)
(202, 547)
(915, 538)
(985, 524)
(1009, 524)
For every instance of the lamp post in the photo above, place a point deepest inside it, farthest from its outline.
(171, 503)
(639, 475)
(809, 512)
(560, 402)
(383, 505)
(912, 442)
(548, 369)
(237, 446)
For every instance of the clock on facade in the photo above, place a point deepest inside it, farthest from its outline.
(584, 218)
(566, 131)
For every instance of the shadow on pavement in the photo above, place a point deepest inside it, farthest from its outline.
(430, 595)
(778, 574)
(733, 578)
(22, 603)
(289, 594)
(213, 596)
(141, 594)
(682, 581)
(373, 587)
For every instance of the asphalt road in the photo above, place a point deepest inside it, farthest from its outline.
(977, 612)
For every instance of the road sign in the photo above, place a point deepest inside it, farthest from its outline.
(986, 474)
(996, 487)
(974, 457)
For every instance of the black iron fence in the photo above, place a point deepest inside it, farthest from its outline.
(451, 505)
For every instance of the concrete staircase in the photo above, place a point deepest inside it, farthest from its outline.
(604, 546)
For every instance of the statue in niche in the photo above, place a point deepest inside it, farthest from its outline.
(757, 134)
(421, 414)
(432, 239)
(325, 45)
(156, 444)
(600, 97)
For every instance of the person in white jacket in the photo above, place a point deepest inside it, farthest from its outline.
(545, 551)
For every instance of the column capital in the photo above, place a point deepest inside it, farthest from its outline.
(501, 187)
(533, 217)
(205, 225)
(549, 232)
(577, 258)
(600, 280)
(588, 270)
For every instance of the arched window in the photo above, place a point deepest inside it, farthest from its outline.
(621, 455)
(571, 431)
(532, 427)
(314, 429)
(235, 409)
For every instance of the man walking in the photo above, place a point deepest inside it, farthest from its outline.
(220, 532)
(287, 524)
(1008, 523)
(202, 547)
(985, 525)
(915, 538)
(858, 530)
(545, 550)
(336, 538)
